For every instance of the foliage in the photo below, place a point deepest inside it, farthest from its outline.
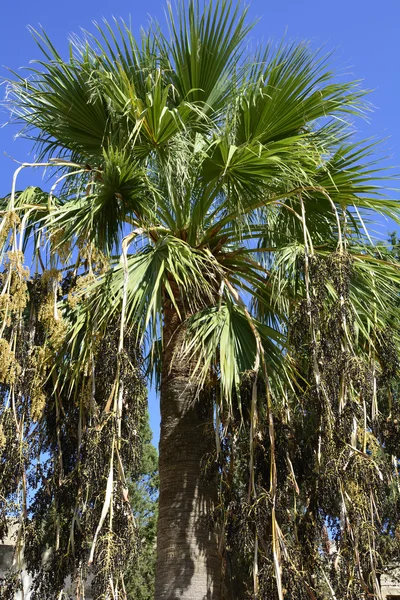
(232, 187)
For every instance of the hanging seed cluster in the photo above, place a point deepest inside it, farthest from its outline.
(67, 453)
(335, 516)
(97, 263)
(15, 451)
(90, 445)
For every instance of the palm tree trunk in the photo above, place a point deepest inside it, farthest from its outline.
(187, 565)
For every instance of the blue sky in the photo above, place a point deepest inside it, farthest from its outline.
(365, 35)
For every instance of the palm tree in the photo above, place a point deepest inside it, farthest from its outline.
(191, 179)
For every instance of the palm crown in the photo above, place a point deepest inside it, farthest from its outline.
(202, 159)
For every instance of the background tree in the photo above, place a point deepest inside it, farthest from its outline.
(210, 206)
(144, 499)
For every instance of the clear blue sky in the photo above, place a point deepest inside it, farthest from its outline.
(365, 34)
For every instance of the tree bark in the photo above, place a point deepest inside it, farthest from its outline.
(188, 566)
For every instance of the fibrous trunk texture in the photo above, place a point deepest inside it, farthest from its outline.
(187, 565)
